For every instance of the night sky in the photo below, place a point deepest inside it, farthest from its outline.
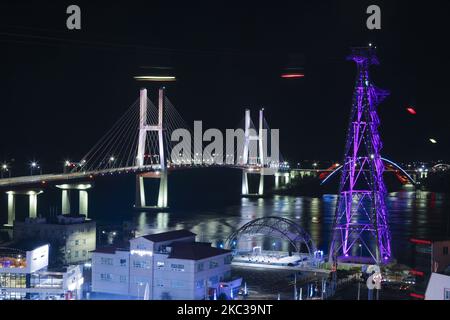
(62, 90)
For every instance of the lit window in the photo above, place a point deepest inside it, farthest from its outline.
(107, 261)
(446, 294)
(160, 264)
(177, 267)
(141, 264)
(106, 276)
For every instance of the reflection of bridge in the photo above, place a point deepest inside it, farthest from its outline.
(150, 142)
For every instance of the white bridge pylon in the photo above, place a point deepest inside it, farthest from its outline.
(250, 136)
(144, 127)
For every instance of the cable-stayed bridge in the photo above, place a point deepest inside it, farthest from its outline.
(151, 141)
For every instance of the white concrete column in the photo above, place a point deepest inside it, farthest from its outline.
(83, 203)
(247, 137)
(11, 208)
(277, 181)
(287, 178)
(261, 185)
(65, 201)
(162, 196)
(162, 158)
(142, 127)
(33, 205)
(244, 183)
(140, 192)
(261, 138)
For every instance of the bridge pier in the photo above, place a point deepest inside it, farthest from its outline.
(32, 211)
(140, 201)
(162, 175)
(245, 185)
(282, 179)
(66, 197)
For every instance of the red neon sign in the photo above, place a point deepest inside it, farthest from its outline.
(417, 273)
(418, 296)
(418, 241)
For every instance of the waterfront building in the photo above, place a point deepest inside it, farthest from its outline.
(72, 237)
(163, 266)
(438, 287)
(430, 256)
(24, 275)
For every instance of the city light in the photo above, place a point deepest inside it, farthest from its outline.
(411, 110)
(292, 75)
(433, 141)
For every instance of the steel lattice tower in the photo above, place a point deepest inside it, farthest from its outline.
(360, 226)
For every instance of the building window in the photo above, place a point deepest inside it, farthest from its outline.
(446, 293)
(200, 284)
(177, 267)
(159, 283)
(123, 262)
(77, 242)
(160, 264)
(76, 254)
(177, 284)
(12, 280)
(214, 280)
(445, 251)
(200, 267)
(84, 253)
(123, 279)
(84, 241)
(141, 264)
(107, 261)
(227, 259)
(106, 276)
(213, 264)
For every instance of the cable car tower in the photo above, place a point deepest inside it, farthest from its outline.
(360, 226)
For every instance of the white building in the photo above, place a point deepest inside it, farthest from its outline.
(24, 275)
(438, 287)
(162, 266)
(72, 236)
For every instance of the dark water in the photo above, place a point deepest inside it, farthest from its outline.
(208, 202)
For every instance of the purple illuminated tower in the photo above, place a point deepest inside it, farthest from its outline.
(360, 227)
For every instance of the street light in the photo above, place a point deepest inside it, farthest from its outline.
(4, 169)
(33, 165)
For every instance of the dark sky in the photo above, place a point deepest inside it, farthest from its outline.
(62, 90)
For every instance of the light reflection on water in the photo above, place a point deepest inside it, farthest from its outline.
(411, 214)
